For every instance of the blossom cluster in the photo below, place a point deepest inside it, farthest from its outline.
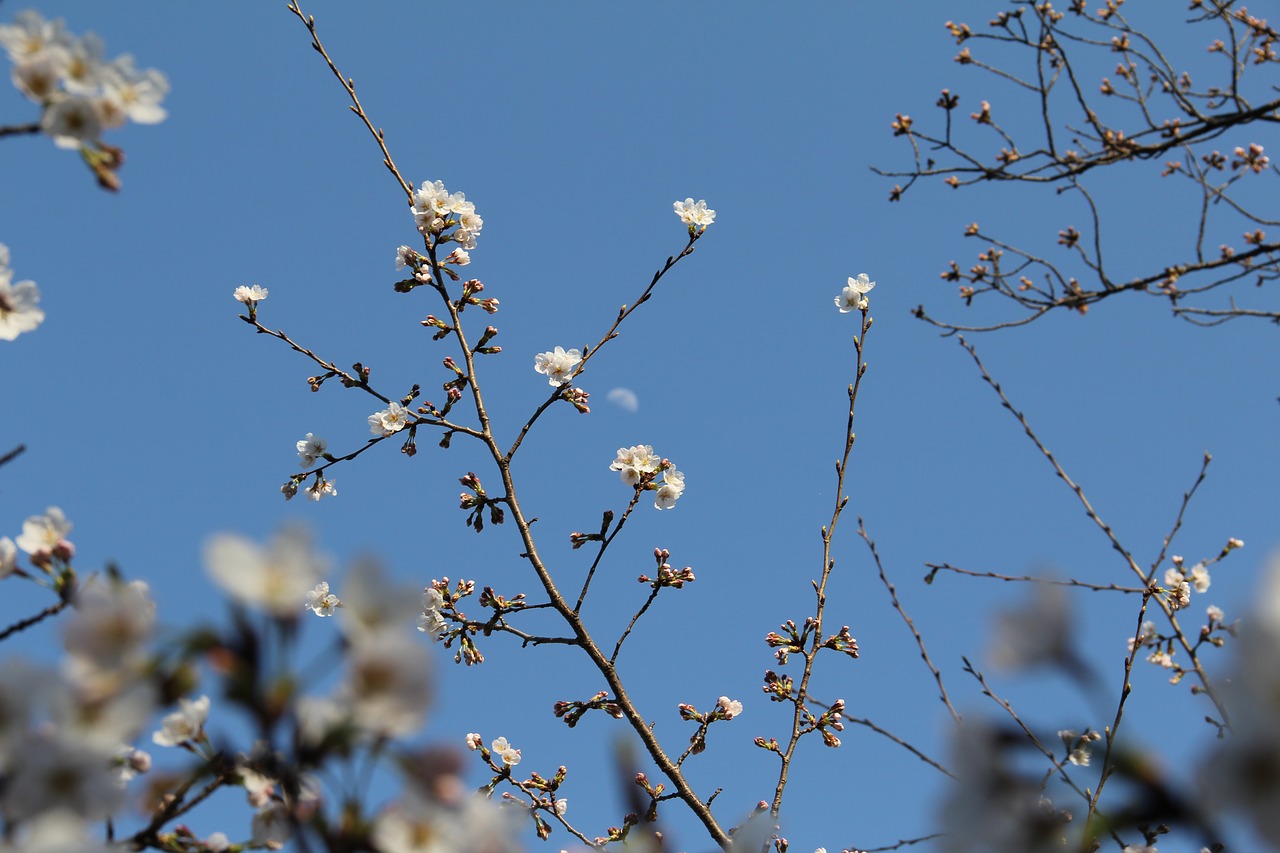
(695, 215)
(639, 467)
(436, 210)
(854, 295)
(557, 365)
(80, 91)
(390, 420)
(19, 303)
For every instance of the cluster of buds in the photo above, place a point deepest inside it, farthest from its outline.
(829, 722)
(1251, 158)
(572, 712)
(476, 502)
(793, 643)
(778, 687)
(842, 642)
(655, 795)
(469, 290)
(667, 576)
(577, 397)
(500, 603)
(725, 709)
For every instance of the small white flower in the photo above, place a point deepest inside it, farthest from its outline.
(431, 621)
(72, 121)
(474, 741)
(1199, 577)
(562, 806)
(666, 496)
(403, 256)
(19, 303)
(247, 295)
(311, 448)
(694, 215)
(510, 755)
(729, 708)
(184, 725)
(42, 533)
(557, 365)
(854, 295)
(8, 557)
(134, 94)
(321, 602)
(321, 488)
(1214, 612)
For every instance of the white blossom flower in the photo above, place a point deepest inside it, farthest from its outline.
(374, 602)
(186, 725)
(1212, 611)
(670, 490)
(112, 622)
(321, 602)
(431, 621)
(42, 533)
(321, 488)
(253, 294)
(30, 34)
(1147, 633)
(510, 755)
(311, 448)
(404, 256)
(132, 94)
(632, 462)
(854, 295)
(1162, 659)
(694, 215)
(729, 708)
(389, 420)
(557, 365)
(19, 303)
(8, 557)
(39, 76)
(216, 842)
(72, 121)
(85, 65)
(389, 684)
(1199, 577)
(562, 805)
(274, 578)
(474, 741)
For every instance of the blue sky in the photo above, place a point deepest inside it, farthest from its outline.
(154, 417)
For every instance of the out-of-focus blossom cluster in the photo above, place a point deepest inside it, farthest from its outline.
(639, 467)
(80, 91)
(67, 732)
(19, 303)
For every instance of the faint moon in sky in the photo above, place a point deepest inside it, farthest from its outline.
(625, 398)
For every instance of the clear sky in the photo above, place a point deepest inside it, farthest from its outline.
(155, 418)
